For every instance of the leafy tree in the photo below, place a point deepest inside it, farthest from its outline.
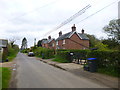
(93, 40)
(113, 29)
(112, 43)
(39, 44)
(24, 43)
(101, 46)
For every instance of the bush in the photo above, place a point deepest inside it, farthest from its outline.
(63, 57)
(107, 60)
(12, 52)
(44, 52)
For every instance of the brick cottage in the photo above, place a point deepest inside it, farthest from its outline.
(70, 40)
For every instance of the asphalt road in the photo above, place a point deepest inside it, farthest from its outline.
(32, 73)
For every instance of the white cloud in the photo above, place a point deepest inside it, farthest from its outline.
(33, 18)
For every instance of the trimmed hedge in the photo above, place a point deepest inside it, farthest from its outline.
(108, 61)
(63, 57)
(44, 53)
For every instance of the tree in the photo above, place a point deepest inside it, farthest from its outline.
(113, 29)
(24, 43)
(92, 40)
(39, 44)
(112, 43)
(13, 40)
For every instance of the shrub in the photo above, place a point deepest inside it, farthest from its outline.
(63, 57)
(44, 52)
(107, 60)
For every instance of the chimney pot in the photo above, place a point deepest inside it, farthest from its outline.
(73, 28)
(82, 31)
(49, 37)
(60, 33)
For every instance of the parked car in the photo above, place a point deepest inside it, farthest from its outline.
(31, 54)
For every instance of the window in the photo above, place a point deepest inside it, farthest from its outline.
(57, 43)
(53, 45)
(63, 41)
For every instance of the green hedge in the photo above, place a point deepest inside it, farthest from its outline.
(63, 57)
(44, 52)
(108, 61)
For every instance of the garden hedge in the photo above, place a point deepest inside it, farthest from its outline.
(108, 61)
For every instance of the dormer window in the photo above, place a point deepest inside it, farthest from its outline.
(64, 41)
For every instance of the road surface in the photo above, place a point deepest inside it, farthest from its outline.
(32, 73)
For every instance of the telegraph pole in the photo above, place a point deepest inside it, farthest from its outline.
(34, 42)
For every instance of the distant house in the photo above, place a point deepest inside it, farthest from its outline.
(3, 48)
(72, 40)
(49, 43)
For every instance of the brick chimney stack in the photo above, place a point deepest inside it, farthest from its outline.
(73, 28)
(82, 31)
(49, 37)
(60, 33)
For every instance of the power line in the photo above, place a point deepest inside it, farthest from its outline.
(93, 14)
(98, 11)
(70, 19)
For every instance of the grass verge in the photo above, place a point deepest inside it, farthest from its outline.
(111, 72)
(60, 59)
(5, 76)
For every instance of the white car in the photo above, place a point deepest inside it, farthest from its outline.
(31, 54)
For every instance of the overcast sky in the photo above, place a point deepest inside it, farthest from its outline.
(34, 18)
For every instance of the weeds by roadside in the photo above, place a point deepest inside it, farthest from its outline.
(5, 73)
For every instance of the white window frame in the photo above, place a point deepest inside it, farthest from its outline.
(64, 41)
(53, 45)
(57, 43)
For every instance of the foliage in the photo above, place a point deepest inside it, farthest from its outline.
(12, 52)
(39, 43)
(24, 43)
(112, 44)
(101, 46)
(62, 57)
(25, 50)
(107, 60)
(92, 40)
(66, 55)
(44, 52)
(113, 29)
(6, 75)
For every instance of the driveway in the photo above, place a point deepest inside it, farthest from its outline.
(32, 73)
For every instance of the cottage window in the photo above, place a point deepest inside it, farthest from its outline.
(57, 43)
(53, 45)
(63, 41)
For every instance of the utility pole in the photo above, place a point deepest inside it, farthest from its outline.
(34, 42)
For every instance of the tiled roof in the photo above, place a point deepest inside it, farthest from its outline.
(47, 41)
(67, 35)
(64, 36)
(83, 36)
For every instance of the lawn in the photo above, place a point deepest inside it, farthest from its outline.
(60, 59)
(5, 75)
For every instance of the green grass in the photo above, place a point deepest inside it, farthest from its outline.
(111, 72)
(11, 57)
(60, 60)
(5, 73)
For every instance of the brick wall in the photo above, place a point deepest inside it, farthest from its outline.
(74, 43)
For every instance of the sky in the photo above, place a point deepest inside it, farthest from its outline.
(39, 18)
